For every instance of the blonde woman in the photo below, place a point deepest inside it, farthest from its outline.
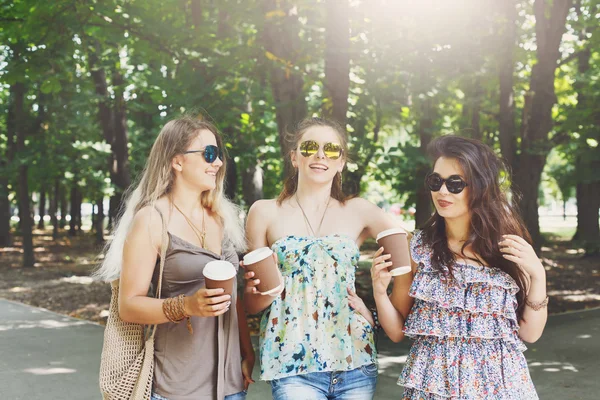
(317, 335)
(183, 184)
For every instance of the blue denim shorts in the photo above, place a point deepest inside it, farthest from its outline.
(236, 396)
(356, 384)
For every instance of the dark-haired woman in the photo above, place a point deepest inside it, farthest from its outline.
(317, 336)
(479, 289)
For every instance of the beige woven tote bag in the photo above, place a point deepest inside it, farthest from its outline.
(127, 363)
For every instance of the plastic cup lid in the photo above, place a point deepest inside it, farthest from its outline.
(257, 255)
(219, 270)
(393, 231)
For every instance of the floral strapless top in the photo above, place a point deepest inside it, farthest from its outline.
(310, 326)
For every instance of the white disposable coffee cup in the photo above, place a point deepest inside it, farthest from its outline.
(219, 274)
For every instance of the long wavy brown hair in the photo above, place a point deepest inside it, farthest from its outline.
(290, 185)
(492, 214)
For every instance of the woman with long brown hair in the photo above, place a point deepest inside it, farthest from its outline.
(202, 344)
(479, 289)
(317, 335)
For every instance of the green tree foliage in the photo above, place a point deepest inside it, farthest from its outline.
(99, 79)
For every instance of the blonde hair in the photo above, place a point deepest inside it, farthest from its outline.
(157, 180)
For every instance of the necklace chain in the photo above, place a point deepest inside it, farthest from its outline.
(306, 220)
(200, 234)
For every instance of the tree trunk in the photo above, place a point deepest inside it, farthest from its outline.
(282, 43)
(537, 119)
(337, 60)
(588, 204)
(252, 184)
(5, 164)
(54, 208)
(506, 67)
(476, 109)
(114, 212)
(114, 127)
(587, 164)
(73, 198)
(93, 226)
(425, 128)
(63, 206)
(196, 11)
(231, 179)
(42, 207)
(5, 239)
(78, 221)
(23, 197)
(362, 153)
(120, 172)
(100, 220)
(6, 168)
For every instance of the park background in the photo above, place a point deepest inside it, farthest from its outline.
(85, 87)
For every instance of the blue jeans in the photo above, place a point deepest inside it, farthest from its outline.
(236, 396)
(356, 384)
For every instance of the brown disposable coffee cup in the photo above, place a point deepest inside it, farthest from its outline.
(395, 242)
(219, 274)
(261, 262)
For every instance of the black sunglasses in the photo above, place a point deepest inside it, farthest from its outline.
(210, 152)
(454, 183)
(333, 151)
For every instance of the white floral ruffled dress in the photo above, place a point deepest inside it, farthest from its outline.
(466, 335)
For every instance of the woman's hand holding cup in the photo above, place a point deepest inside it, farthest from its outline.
(262, 263)
(207, 303)
(251, 283)
(380, 276)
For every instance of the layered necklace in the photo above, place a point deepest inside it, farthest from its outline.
(200, 234)
(308, 224)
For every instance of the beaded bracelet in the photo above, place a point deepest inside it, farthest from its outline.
(174, 310)
(537, 306)
(376, 325)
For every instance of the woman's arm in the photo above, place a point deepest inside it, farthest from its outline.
(140, 253)
(376, 220)
(517, 250)
(391, 320)
(400, 298)
(246, 348)
(256, 232)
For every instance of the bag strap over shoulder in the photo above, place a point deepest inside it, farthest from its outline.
(163, 253)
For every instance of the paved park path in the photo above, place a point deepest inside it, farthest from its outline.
(48, 356)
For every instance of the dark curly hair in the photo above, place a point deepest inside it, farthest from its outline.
(492, 214)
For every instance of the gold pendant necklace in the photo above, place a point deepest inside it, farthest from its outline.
(200, 234)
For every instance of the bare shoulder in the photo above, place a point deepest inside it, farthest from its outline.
(358, 204)
(264, 209)
(148, 219)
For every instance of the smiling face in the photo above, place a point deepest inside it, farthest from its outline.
(449, 205)
(318, 168)
(193, 169)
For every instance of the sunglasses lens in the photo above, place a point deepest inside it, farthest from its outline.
(455, 185)
(210, 153)
(309, 148)
(434, 182)
(333, 151)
